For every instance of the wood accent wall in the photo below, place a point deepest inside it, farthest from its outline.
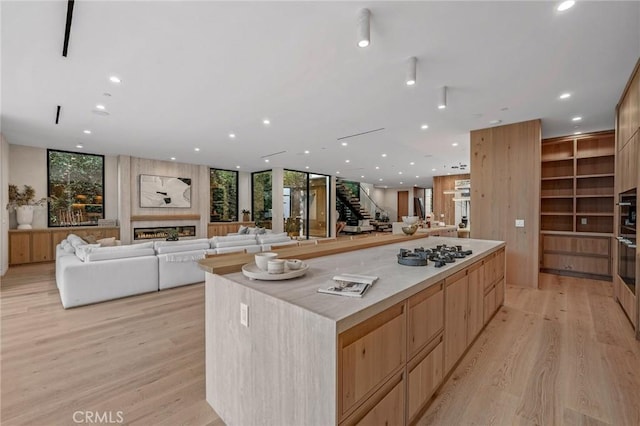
(505, 176)
(442, 203)
(129, 171)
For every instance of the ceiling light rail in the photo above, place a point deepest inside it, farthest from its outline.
(360, 134)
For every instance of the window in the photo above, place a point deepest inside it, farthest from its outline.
(75, 187)
(262, 198)
(224, 195)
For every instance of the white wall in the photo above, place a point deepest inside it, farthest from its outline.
(244, 192)
(28, 166)
(4, 199)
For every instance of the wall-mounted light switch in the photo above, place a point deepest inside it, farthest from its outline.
(583, 221)
(519, 223)
(244, 315)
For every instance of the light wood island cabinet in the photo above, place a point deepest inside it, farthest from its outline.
(311, 358)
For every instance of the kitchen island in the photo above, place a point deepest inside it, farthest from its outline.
(307, 358)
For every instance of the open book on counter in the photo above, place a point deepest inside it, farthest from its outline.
(351, 285)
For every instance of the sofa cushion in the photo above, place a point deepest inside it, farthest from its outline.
(273, 238)
(157, 244)
(215, 240)
(84, 249)
(108, 253)
(107, 242)
(183, 247)
(75, 240)
(239, 243)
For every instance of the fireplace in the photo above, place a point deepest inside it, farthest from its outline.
(158, 232)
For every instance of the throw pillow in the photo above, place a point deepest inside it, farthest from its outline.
(90, 239)
(107, 242)
(243, 230)
(261, 231)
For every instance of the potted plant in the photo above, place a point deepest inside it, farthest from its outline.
(173, 234)
(245, 215)
(23, 202)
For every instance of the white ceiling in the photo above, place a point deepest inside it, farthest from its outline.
(192, 72)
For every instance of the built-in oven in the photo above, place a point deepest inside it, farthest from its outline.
(627, 239)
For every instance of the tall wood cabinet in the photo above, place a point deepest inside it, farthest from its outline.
(577, 197)
(628, 180)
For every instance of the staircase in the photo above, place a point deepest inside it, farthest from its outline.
(353, 209)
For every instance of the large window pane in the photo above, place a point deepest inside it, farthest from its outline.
(295, 202)
(224, 195)
(262, 198)
(75, 188)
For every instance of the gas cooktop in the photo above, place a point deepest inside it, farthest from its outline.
(440, 255)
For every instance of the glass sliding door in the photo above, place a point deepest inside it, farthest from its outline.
(261, 198)
(295, 203)
(306, 204)
(318, 205)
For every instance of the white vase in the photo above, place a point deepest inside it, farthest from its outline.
(24, 215)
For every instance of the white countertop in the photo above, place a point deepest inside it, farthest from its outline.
(396, 282)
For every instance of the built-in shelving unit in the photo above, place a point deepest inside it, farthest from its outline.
(576, 190)
(577, 202)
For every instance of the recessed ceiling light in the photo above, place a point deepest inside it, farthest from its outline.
(306, 167)
(411, 71)
(266, 160)
(364, 36)
(401, 183)
(237, 167)
(377, 167)
(380, 179)
(399, 173)
(100, 107)
(79, 146)
(577, 133)
(576, 119)
(454, 144)
(433, 170)
(347, 161)
(266, 122)
(306, 151)
(86, 132)
(384, 155)
(173, 158)
(232, 135)
(337, 173)
(362, 177)
(493, 122)
(442, 101)
(412, 163)
(417, 177)
(115, 79)
(565, 96)
(565, 5)
(344, 144)
(448, 173)
(196, 149)
(424, 126)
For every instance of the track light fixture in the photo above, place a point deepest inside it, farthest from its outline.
(411, 71)
(363, 28)
(442, 102)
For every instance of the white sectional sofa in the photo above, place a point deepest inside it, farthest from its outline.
(178, 262)
(89, 273)
(106, 273)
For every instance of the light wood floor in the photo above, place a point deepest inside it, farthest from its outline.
(563, 354)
